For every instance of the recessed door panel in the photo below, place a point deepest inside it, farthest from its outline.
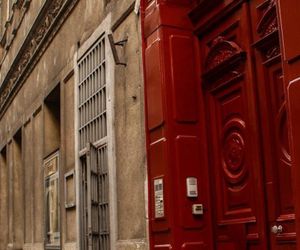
(232, 168)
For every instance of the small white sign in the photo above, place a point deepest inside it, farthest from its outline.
(159, 198)
(191, 187)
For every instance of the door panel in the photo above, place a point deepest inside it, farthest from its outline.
(94, 198)
(235, 166)
(245, 103)
(233, 176)
(274, 128)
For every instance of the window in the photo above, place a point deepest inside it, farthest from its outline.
(92, 95)
(97, 202)
(93, 130)
(52, 219)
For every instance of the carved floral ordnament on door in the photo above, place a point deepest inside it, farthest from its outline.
(221, 51)
(233, 146)
(267, 28)
(268, 23)
(224, 61)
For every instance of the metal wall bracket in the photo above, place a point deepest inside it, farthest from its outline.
(113, 45)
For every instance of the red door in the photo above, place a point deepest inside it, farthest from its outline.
(280, 212)
(245, 104)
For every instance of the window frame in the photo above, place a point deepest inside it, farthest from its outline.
(102, 30)
(53, 176)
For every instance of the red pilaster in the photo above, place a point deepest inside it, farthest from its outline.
(175, 144)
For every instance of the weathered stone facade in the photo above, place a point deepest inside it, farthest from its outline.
(41, 45)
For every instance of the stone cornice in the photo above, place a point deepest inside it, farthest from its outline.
(13, 23)
(45, 27)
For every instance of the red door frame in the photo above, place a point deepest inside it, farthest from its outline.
(174, 115)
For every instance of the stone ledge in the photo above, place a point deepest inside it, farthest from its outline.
(70, 246)
(140, 244)
(33, 246)
(14, 19)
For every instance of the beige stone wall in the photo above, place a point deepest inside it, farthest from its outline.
(131, 161)
(29, 114)
(4, 199)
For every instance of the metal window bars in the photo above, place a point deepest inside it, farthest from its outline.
(92, 95)
(94, 164)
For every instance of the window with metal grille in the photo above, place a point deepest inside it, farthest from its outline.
(92, 95)
(93, 144)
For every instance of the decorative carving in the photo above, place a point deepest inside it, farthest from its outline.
(12, 25)
(268, 22)
(267, 29)
(224, 61)
(19, 4)
(41, 34)
(234, 150)
(234, 153)
(220, 52)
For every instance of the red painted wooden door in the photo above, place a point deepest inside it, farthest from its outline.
(276, 157)
(245, 104)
